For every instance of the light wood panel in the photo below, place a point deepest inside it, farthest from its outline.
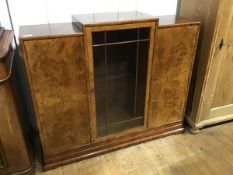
(173, 59)
(174, 155)
(224, 94)
(216, 58)
(57, 76)
(213, 96)
(207, 12)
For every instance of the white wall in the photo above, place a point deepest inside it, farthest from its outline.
(4, 18)
(29, 12)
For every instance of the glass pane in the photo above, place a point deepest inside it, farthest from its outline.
(122, 35)
(144, 33)
(100, 89)
(141, 78)
(120, 72)
(121, 82)
(98, 37)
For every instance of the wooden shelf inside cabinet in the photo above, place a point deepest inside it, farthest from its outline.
(107, 81)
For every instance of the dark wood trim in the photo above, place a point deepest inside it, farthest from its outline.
(116, 23)
(179, 25)
(23, 38)
(102, 147)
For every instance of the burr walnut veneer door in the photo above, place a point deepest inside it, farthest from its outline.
(174, 53)
(57, 76)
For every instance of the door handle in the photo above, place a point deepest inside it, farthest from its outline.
(222, 44)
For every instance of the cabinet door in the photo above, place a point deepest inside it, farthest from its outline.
(120, 66)
(56, 71)
(173, 60)
(221, 75)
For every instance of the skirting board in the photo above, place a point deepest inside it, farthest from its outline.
(95, 149)
(209, 121)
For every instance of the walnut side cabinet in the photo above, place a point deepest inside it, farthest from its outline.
(107, 81)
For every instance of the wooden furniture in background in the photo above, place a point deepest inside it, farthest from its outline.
(14, 156)
(213, 96)
(97, 84)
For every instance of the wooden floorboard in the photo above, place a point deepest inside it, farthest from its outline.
(209, 152)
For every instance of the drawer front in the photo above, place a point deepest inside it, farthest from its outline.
(172, 66)
(57, 78)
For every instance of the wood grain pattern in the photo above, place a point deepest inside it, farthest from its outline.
(172, 67)
(110, 18)
(13, 149)
(223, 27)
(223, 94)
(207, 12)
(56, 30)
(214, 77)
(112, 144)
(56, 69)
(89, 58)
(183, 154)
(60, 73)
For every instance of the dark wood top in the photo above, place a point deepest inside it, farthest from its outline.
(48, 30)
(111, 17)
(173, 20)
(67, 29)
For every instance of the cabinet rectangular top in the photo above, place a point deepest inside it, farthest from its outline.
(52, 30)
(112, 18)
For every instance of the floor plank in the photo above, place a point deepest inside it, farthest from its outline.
(208, 153)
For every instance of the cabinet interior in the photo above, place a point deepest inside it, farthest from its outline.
(120, 70)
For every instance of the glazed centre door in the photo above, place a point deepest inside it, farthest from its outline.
(120, 59)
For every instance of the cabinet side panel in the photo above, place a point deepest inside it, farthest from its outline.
(56, 69)
(173, 60)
